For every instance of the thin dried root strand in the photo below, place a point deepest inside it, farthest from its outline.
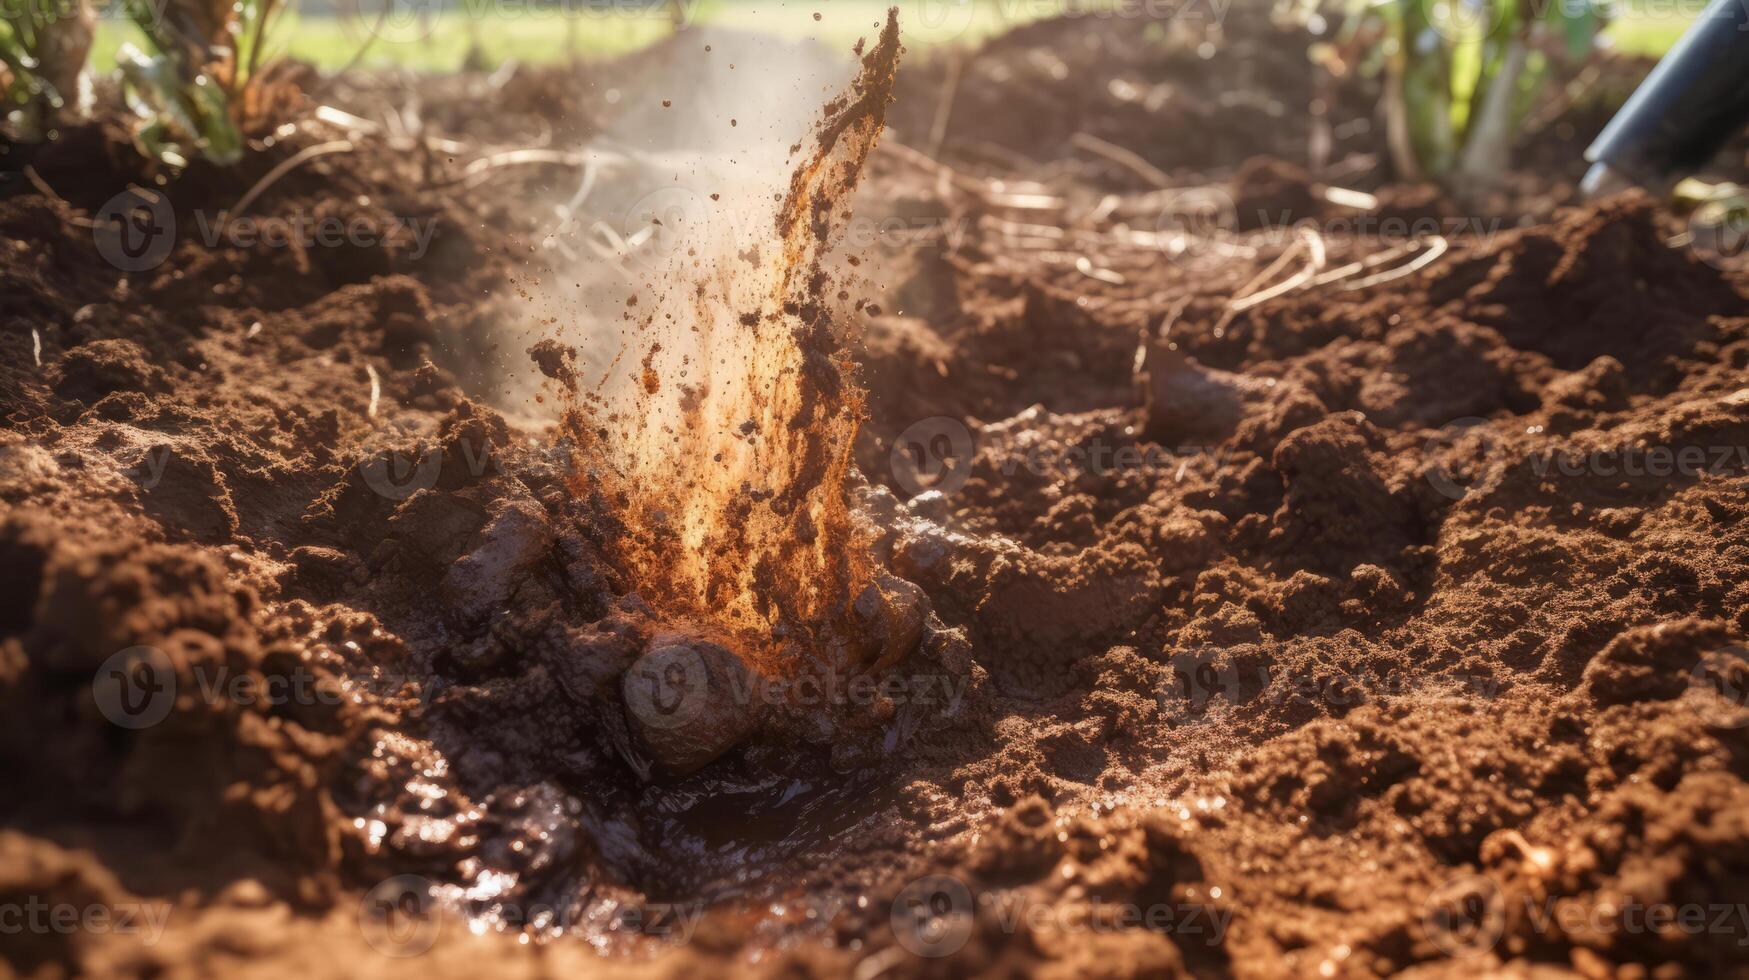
(476, 171)
(614, 240)
(355, 125)
(43, 188)
(286, 166)
(1127, 159)
(1167, 322)
(944, 105)
(1106, 207)
(1024, 202)
(567, 212)
(376, 390)
(1372, 261)
(1438, 247)
(1313, 245)
(341, 119)
(1085, 266)
(1344, 197)
(1018, 229)
(989, 193)
(924, 161)
(1269, 272)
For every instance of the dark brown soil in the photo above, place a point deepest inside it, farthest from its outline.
(1355, 632)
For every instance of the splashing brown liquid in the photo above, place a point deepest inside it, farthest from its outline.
(725, 461)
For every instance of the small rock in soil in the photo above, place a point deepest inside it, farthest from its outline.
(689, 701)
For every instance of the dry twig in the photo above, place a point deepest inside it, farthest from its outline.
(1128, 159)
(286, 166)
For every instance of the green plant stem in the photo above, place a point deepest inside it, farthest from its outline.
(1488, 142)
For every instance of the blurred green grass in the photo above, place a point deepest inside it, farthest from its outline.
(546, 36)
(441, 42)
(1649, 31)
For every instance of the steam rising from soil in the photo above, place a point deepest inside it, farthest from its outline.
(720, 437)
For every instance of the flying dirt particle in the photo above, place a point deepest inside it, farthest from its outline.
(716, 197)
(733, 124)
(652, 381)
(667, 103)
(816, 15)
(707, 49)
(556, 361)
(764, 538)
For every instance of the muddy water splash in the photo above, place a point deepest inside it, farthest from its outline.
(724, 450)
